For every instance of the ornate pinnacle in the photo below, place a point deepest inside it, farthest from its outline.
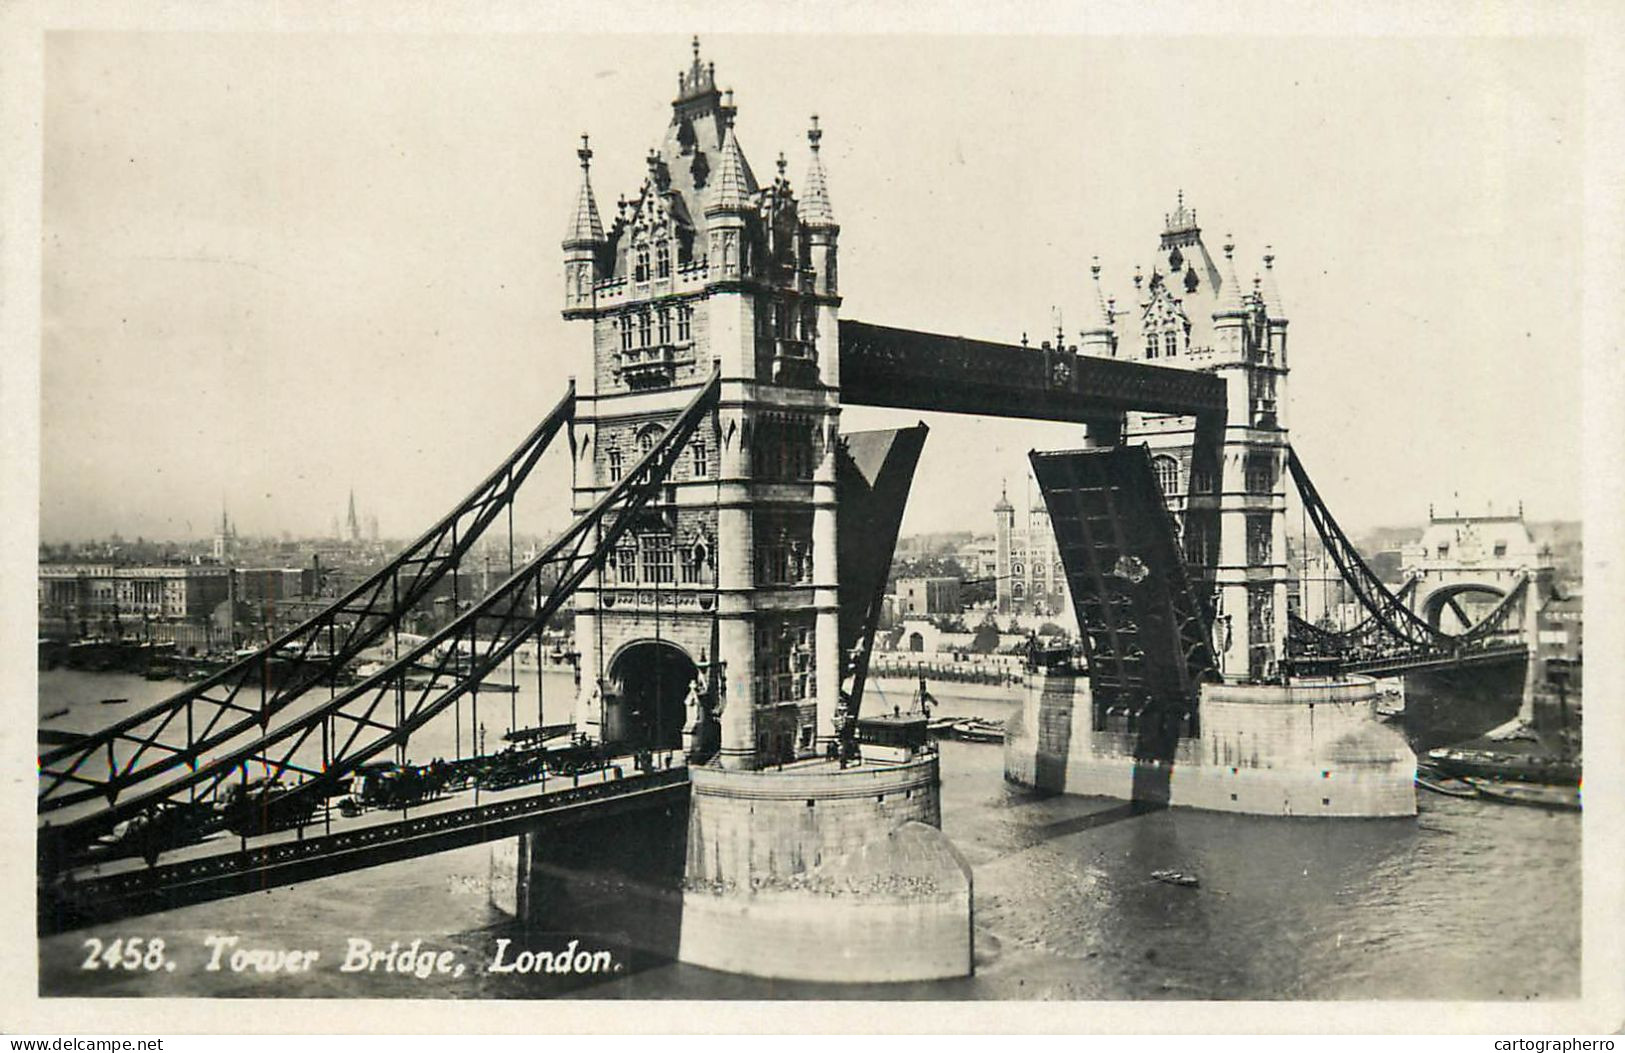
(814, 133)
(585, 153)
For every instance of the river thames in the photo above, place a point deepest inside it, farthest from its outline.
(1468, 900)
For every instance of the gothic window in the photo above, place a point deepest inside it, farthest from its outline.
(616, 464)
(1500, 548)
(697, 450)
(625, 565)
(1170, 344)
(1016, 569)
(784, 653)
(625, 324)
(665, 326)
(696, 563)
(644, 328)
(648, 437)
(1167, 469)
(1201, 480)
(581, 282)
(663, 260)
(685, 316)
(1260, 473)
(1060, 571)
(1018, 591)
(1444, 549)
(641, 271)
(1260, 549)
(1151, 345)
(809, 324)
(657, 558)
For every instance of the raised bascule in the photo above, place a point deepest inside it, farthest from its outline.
(726, 559)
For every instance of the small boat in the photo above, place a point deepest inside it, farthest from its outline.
(1448, 785)
(498, 686)
(978, 730)
(1503, 765)
(940, 727)
(114, 701)
(1176, 877)
(1565, 798)
(53, 714)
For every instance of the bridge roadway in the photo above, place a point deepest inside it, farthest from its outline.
(224, 864)
(1394, 665)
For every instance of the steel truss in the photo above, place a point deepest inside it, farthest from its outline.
(1390, 620)
(239, 699)
(326, 744)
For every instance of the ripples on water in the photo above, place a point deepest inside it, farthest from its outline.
(1470, 900)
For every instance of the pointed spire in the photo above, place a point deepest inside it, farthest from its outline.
(1004, 504)
(1230, 289)
(733, 185)
(1102, 322)
(1272, 295)
(585, 226)
(815, 206)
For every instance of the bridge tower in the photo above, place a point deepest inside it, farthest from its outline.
(1195, 313)
(726, 589)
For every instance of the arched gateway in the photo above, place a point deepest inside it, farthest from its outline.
(647, 686)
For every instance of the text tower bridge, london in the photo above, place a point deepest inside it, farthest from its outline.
(725, 562)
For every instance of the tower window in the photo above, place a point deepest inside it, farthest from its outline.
(625, 324)
(697, 448)
(1167, 469)
(1170, 344)
(663, 260)
(616, 464)
(1151, 345)
(685, 316)
(647, 439)
(626, 563)
(665, 326)
(641, 271)
(657, 558)
(644, 329)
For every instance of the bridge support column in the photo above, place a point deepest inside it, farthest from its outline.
(827, 655)
(736, 647)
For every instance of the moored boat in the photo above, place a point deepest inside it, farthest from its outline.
(1504, 765)
(1176, 877)
(1448, 785)
(978, 730)
(1565, 798)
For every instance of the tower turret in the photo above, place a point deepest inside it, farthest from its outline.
(1100, 338)
(584, 244)
(822, 235)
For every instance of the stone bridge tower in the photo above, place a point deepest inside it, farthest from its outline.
(1193, 312)
(727, 587)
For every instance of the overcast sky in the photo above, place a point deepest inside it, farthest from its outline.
(278, 266)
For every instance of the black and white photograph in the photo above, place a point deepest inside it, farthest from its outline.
(728, 509)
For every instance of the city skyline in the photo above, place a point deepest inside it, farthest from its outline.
(399, 315)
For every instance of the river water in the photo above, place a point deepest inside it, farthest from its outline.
(1469, 900)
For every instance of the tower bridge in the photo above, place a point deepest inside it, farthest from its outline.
(727, 553)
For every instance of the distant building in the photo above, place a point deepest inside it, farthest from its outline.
(1465, 564)
(89, 593)
(1026, 564)
(927, 596)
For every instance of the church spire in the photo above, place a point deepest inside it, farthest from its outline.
(585, 226)
(815, 206)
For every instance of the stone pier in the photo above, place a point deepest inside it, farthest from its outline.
(1311, 748)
